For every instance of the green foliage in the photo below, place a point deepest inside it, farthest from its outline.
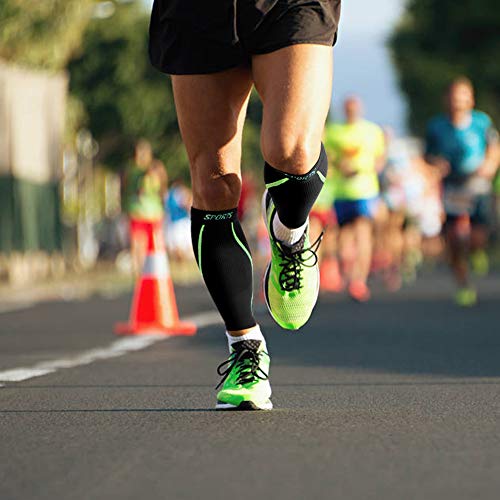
(42, 34)
(251, 156)
(126, 99)
(114, 91)
(438, 40)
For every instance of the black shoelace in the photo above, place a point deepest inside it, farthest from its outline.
(293, 261)
(246, 360)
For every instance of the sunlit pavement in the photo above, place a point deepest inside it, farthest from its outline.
(398, 398)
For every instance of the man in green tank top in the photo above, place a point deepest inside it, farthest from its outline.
(145, 185)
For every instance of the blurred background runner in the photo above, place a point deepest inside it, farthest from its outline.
(356, 149)
(463, 144)
(145, 186)
(393, 180)
(323, 219)
(410, 189)
(177, 222)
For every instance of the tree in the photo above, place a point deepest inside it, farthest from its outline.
(43, 34)
(438, 40)
(125, 98)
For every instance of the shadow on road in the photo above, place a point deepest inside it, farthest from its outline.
(418, 331)
(427, 336)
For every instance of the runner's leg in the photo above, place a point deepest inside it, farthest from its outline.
(363, 230)
(478, 244)
(457, 254)
(295, 86)
(211, 112)
(478, 237)
(347, 250)
(138, 247)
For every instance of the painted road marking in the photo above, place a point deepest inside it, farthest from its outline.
(21, 306)
(114, 350)
(207, 318)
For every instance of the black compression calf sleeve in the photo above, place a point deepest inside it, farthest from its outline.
(294, 195)
(224, 259)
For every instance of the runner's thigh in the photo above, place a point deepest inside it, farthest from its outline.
(211, 112)
(295, 85)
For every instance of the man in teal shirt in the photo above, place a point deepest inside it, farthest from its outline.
(463, 143)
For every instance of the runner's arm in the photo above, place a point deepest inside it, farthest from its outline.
(489, 167)
(380, 151)
(432, 153)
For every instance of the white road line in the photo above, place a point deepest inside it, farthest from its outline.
(16, 307)
(114, 350)
(207, 318)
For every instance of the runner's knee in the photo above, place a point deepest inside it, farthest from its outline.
(290, 153)
(221, 192)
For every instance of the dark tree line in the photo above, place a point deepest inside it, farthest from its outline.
(125, 98)
(438, 40)
(114, 91)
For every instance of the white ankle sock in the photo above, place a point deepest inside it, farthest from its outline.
(254, 334)
(285, 234)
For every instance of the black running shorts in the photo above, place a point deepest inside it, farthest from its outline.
(206, 36)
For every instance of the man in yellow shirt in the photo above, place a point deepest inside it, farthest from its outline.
(356, 149)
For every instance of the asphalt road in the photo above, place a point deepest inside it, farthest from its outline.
(395, 399)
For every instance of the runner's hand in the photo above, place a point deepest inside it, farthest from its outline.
(487, 171)
(346, 169)
(441, 164)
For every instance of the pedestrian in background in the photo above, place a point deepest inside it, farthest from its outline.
(464, 144)
(145, 183)
(357, 149)
(177, 221)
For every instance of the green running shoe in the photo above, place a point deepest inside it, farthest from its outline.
(480, 263)
(245, 378)
(466, 297)
(291, 281)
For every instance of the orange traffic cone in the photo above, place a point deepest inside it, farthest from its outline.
(154, 309)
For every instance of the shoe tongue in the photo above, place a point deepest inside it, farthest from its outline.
(252, 345)
(298, 246)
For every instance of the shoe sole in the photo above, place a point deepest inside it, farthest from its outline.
(244, 406)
